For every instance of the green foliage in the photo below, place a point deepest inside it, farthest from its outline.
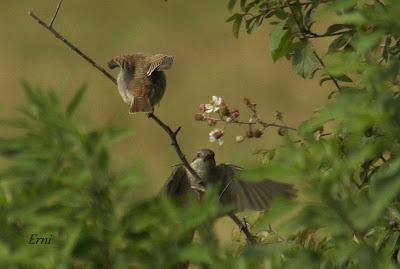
(345, 160)
(59, 184)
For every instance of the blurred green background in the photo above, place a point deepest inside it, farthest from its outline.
(208, 61)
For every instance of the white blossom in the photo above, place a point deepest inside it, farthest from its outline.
(216, 135)
(214, 105)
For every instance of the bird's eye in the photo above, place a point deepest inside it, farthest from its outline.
(198, 155)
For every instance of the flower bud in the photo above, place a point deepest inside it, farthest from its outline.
(278, 115)
(202, 108)
(249, 104)
(218, 133)
(258, 133)
(240, 138)
(235, 113)
(211, 122)
(246, 101)
(199, 117)
(225, 110)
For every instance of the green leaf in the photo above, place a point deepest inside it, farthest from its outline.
(304, 61)
(103, 159)
(76, 99)
(366, 43)
(252, 24)
(336, 28)
(197, 254)
(276, 36)
(278, 209)
(285, 49)
(231, 4)
(385, 187)
(243, 4)
(344, 78)
(340, 63)
(339, 42)
(236, 25)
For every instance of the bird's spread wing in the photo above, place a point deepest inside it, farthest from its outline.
(158, 62)
(177, 184)
(249, 195)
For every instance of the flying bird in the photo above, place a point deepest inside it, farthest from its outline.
(141, 80)
(232, 190)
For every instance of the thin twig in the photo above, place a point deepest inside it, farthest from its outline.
(334, 80)
(315, 35)
(164, 126)
(172, 135)
(262, 123)
(266, 125)
(243, 227)
(55, 14)
(73, 47)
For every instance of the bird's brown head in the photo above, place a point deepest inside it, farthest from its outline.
(115, 62)
(120, 61)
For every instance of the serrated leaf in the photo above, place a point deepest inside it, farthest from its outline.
(285, 49)
(304, 61)
(276, 35)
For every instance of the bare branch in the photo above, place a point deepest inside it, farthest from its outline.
(243, 227)
(172, 135)
(73, 47)
(259, 121)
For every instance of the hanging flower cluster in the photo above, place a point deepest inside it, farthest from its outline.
(217, 111)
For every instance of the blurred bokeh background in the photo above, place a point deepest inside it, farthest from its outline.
(208, 61)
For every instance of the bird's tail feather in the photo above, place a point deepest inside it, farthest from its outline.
(141, 104)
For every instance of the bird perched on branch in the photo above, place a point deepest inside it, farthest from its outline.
(141, 80)
(232, 190)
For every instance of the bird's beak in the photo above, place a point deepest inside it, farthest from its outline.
(112, 64)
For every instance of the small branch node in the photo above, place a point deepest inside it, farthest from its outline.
(177, 131)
